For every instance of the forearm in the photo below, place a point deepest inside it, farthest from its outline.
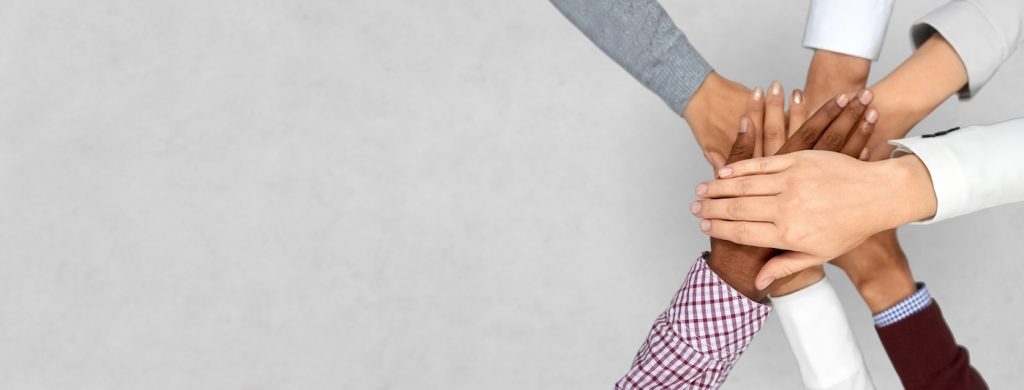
(821, 339)
(832, 73)
(738, 265)
(683, 355)
(925, 354)
(903, 98)
(641, 37)
(972, 168)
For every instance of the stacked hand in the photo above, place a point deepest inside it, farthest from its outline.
(841, 125)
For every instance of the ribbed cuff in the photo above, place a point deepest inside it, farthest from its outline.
(678, 76)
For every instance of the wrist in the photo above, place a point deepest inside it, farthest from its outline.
(879, 270)
(714, 112)
(909, 180)
(832, 73)
(885, 292)
(737, 266)
(930, 76)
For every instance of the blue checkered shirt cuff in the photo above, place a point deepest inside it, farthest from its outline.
(906, 308)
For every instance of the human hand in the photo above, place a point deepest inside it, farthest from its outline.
(713, 113)
(817, 205)
(879, 270)
(739, 264)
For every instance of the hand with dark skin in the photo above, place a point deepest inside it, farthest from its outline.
(841, 125)
(879, 270)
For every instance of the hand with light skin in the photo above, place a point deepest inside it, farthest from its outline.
(712, 115)
(932, 74)
(828, 75)
(817, 205)
(840, 123)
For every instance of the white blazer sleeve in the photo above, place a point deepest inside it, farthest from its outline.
(984, 34)
(856, 28)
(821, 339)
(972, 168)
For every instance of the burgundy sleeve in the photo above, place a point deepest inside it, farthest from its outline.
(925, 354)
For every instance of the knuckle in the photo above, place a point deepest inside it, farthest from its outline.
(734, 209)
(832, 142)
(854, 111)
(743, 186)
(789, 268)
(773, 131)
(742, 232)
(807, 136)
(832, 109)
(763, 165)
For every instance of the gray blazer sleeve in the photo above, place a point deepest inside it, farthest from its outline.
(641, 37)
(984, 34)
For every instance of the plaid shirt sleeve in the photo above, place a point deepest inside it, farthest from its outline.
(696, 341)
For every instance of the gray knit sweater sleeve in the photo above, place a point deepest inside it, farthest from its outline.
(641, 37)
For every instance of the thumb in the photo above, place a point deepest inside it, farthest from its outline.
(783, 265)
(716, 159)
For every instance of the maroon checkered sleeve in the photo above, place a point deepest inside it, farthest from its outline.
(696, 341)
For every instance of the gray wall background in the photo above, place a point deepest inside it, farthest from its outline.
(392, 195)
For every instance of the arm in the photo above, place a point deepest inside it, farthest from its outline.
(821, 339)
(641, 37)
(948, 174)
(696, 341)
(909, 323)
(984, 34)
(925, 353)
(960, 47)
(717, 311)
(846, 36)
(971, 169)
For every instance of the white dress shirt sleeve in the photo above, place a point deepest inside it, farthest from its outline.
(852, 27)
(821, 339)
(973, 168)
(984, 34)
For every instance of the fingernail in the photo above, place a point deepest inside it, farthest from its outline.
(865, 97)
(758, 93)
(776, 88)
(724, 172)
(744, 124)
(705, 225)
(766, 282)
(701, 189)
(872, 116)
(798, 97)
(842, 100)
(864, 155)
(695, 208)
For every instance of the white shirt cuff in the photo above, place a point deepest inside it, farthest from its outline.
(855, 28)
(948, 180)
(821, 339)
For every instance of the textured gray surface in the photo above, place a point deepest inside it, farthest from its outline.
(390, 195)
